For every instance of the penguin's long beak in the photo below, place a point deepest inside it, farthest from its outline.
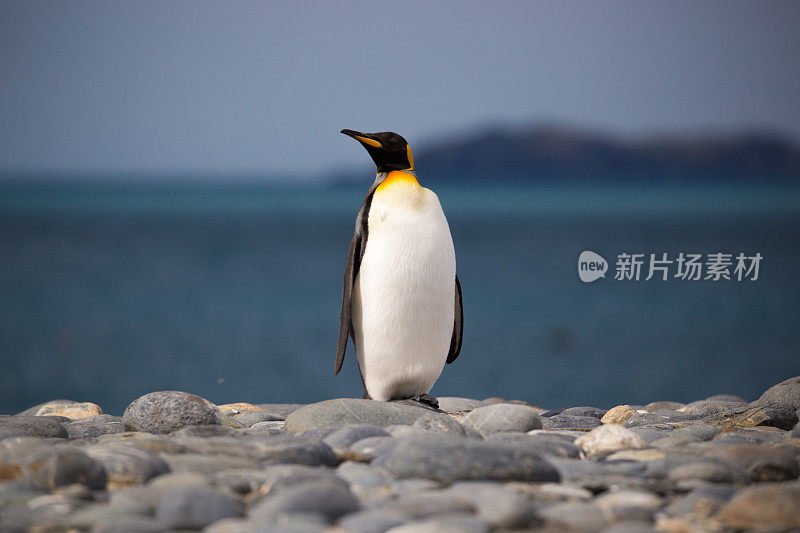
(363, 138)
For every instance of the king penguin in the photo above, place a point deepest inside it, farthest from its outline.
(401, 301)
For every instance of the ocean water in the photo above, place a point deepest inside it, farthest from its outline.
(232, 291)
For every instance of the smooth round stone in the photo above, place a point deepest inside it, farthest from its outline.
(700, 502)
(239, 407)
(372, 521)
(726, 398)
(672, 441)
(250, 418)
(445, 458)
(758, 413)
(94, 426)
(128, 524)
(66, 408)
(267, 428)
(167, 411)
(195, 507)
(281, 409)
(546, 445)
(574, 516)
(52, 466)
(651, 433)
(710, 407)
(345, 411)
(663, 406)
(593, 412)
(440, 424)
(503, 417)
(205, 431)
(497, 505)
(641, 455)
(362, 476)
(282, 477)
(628, 504)
(772, 507)
(54, 507)
(629, 526)
(203, 463)
(420, 503)
(372, 446)
(708, 471)
(550, 492)
(327, 498)
(619, 414)
(785, 393)
(762, 463)
(345, 436)
(700, 431)
(661, 417)
(30, 426)
(609, 438)
(563, 421)
(126, 465)
(450, 524)
(454, 404)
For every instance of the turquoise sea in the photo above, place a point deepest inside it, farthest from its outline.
(109, 290)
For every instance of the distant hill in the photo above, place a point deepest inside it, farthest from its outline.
(555, 154)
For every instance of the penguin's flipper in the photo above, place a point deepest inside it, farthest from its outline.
(346, 318)
(458, 327)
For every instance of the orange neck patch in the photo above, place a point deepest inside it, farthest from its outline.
(397, 177)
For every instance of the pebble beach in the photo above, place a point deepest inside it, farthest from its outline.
(177, 462)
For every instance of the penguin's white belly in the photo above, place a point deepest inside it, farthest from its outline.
(403, 298)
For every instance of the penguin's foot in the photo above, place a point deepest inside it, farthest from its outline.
(422, 400)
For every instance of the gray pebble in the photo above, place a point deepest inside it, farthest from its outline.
(577, 516)
(453, 404)
(52, 466)
(250, 418)
(167, 411)
(562, 421)
(281, 409)
(371, 447)
(712, 471)
(350, 434)
(768, 507)
(726, 398)
(443, 424)
(700, 502)
(496, 505)
(503, 417)
(448, 524)
(128, 524)
(94, 426)
(372, 521)
(629, 526)
(195, 507)
(762, 463)
(445, 458)
(361, 476)
(593, 412)
(344, 411)
(415, 504)
(546, 445)
(127, 465)
(332, 500)
(663, 406)
(786, 392)
(30, 426)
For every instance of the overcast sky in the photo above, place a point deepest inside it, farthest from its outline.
(231, 87)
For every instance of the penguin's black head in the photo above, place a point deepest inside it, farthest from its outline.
(389, 150)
